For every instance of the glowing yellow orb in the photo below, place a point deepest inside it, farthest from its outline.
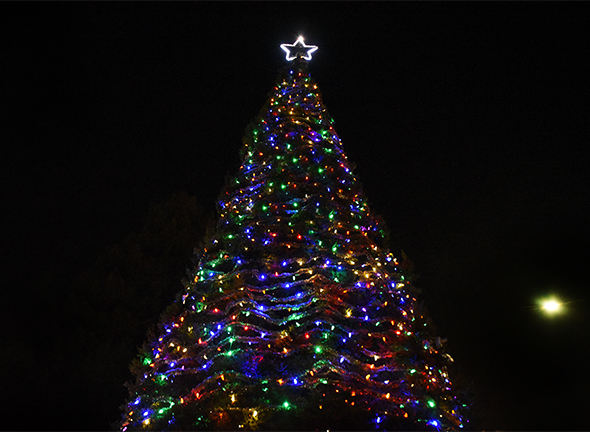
(551, 306)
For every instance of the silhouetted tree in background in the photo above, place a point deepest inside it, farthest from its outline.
(86, 340)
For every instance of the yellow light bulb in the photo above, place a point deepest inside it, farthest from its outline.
(551, 306)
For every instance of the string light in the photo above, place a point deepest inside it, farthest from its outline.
(293, 292)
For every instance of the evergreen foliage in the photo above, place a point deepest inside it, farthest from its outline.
(296, 315)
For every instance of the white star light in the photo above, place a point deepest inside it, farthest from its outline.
(298, 49)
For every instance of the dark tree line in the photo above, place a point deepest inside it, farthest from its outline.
(71, 367)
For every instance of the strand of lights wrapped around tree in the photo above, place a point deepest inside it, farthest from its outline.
(296, 316)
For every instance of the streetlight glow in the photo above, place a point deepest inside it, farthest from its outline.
(551, 306)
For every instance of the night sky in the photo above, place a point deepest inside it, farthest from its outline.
(469, 124)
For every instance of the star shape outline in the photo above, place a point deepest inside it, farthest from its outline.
(299, 47)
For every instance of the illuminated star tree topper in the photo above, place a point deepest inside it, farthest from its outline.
(299, 50)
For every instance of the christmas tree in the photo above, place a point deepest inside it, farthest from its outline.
(297, 316)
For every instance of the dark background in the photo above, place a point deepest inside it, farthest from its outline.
(468, 123)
